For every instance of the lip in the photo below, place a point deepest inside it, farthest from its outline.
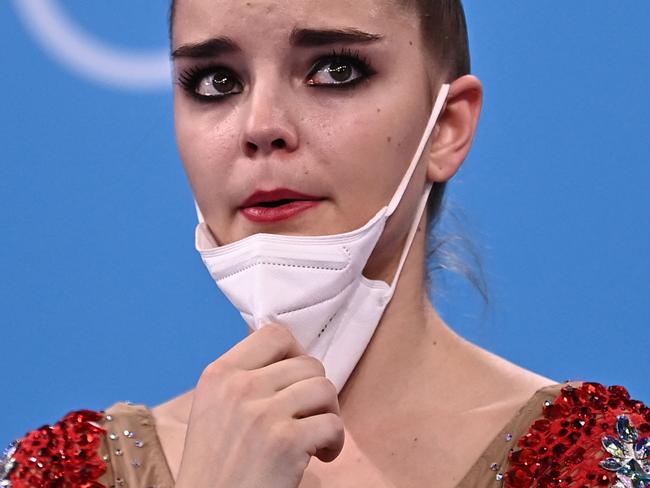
(254, 209)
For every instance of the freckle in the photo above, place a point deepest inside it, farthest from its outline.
(415, 439)
(435, 343)
(388, 139)
(378, 110)
(392, 453)
(410, 43)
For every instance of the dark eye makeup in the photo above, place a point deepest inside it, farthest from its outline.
(222, 82)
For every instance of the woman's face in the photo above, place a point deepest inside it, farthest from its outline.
(325, 99)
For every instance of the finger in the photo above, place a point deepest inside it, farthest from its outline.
(312, 396)
(322, 436)
(271, 343)
(285, 373)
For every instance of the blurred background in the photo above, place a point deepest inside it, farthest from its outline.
(104, 298)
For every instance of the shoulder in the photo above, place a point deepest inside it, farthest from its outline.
(88, 448)
(579, 434)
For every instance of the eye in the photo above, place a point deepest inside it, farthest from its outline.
(210, 83)
(340, 69)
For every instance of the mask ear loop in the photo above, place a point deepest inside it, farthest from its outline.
(435, 113)
(411, 235)
(203, 237)
(199, 215)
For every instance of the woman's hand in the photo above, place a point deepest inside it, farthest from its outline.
(259, 413)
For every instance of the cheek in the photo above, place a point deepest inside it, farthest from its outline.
(205, 146)
(372, 149)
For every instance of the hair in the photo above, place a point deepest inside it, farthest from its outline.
(443, 31)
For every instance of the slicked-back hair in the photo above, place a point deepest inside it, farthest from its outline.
(443, 30)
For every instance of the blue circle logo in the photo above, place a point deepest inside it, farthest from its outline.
(86, 55)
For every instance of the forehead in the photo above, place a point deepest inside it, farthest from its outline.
(273, 20)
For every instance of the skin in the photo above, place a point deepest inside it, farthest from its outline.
(349, 147)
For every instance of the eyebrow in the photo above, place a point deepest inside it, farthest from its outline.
(324, 37)
(299, 38)
(206, 49)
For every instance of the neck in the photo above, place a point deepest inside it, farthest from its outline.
(406, 352)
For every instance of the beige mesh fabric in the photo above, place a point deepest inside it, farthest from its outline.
(132, 450)
(494, 460)
(135, 457)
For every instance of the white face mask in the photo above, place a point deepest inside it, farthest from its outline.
(314, 284)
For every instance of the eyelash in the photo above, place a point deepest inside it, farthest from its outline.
(190, 78)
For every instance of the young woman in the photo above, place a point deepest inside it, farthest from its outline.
(318, 139)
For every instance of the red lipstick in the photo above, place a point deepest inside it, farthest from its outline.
(276, 205)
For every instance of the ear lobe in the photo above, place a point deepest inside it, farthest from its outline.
(455, 129)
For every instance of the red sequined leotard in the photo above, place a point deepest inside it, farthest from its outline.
(567, 435)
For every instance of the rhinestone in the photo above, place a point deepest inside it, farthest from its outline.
(625, 429)
(105, 457)
(112, 436)
(136, 463)
(129, 433)
(119, 452)
(139, 443)
(119, 482)
(642, 447)
(547, 403)
(611, 464)
(613, 446)
(499, 476)
(508, 437)
(494, 466)
(108, 418)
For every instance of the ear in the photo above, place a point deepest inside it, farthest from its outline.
(455, 128)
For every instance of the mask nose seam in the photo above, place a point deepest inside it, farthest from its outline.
(271, 263)
(345, 267)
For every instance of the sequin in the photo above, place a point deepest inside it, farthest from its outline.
(61, 455)
(588, 437)
(7, 463)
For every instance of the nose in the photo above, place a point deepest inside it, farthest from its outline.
(268, 124)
